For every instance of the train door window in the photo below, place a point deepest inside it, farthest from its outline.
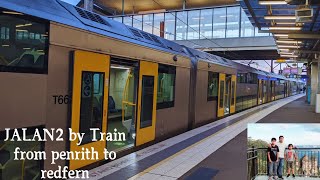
(227, 95)
(147, 101)
(166, 86)
(122, 98)
(213, 83)
(233, 86)
(221, 86)
(91, 106)
(20, 49)
(22, 169)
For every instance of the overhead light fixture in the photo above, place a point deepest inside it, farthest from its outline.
(291, 56)
(281, 35)
(289, 42)
(120, 67)
(287, 46)
(285, 28)
(23, 25)
(21, 30)
(286, 53)
(286, 50)
(272, 2)
(5, 45)
(12, 12)
(280, 17)
(285, 23)
(26, 48)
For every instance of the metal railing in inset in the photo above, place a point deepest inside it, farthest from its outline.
(306, 165)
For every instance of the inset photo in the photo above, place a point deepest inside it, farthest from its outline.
(283, 151)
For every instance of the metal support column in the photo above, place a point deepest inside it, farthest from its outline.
(318, 85)
(122, 7)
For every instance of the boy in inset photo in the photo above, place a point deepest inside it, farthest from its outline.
(273, 158)
(290, 156)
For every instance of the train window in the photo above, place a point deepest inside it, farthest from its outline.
(91, 104)
(213, 83)
(147, 101)
(166, 86)
(221, 94)
(22, 169)
(24, 43)
(242, 78)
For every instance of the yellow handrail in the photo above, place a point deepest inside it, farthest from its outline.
(125, 96)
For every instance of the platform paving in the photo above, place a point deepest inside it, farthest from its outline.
(230, 160)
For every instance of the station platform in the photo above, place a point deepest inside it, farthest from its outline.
(214, 151)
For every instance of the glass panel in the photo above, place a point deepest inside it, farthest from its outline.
(127, 20)
(247, 30)
(206, 23)
(119, 19)
(227, 95)
(221, 94)
(137, 22)
(213, 82)
(193, 24)
(91, 104)
(219, 23)
(232, 92)
(147, 23)
(12, 169)
(233, 18)
(147, 101)
(158, 18)
(181, 28)
(19, 50)
(169, 25)
(122, 104)
(166, 86)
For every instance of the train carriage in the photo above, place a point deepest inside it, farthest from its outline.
(64, 67)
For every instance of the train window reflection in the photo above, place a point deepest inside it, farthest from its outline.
(213, 83)
(23, 44)
(166, 86)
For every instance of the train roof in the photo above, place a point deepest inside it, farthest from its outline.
(67, 14)
(211, 58)
(204, 56)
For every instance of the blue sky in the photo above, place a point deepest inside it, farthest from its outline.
(297, 134)
(73, 2)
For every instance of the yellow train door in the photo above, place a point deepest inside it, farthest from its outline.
(233, 94)
(221, 93)
(89, 102)
(147, 102)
